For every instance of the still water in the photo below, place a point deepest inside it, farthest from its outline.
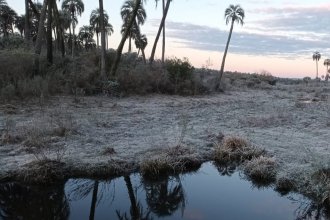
(206, 194)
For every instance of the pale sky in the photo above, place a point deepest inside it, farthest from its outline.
(278, 36)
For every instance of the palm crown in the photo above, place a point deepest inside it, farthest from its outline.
(234, 13)
(316, 56)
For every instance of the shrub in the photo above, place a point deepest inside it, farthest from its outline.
(180, 75)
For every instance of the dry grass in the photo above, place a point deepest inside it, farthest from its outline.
(261, 170)
(235, 150)
(43, 172)
(172, 161)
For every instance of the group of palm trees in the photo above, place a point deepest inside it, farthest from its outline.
(41, 20)
(316, 57)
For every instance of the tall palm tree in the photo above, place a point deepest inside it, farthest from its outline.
(27, 33)
(164, 35)
(317, 57)
(95, 22)
(49, 32)
(102, 27)
(161, 27)
(40, 35)
(234, 13)
(327, 63)
(126, 13)
(130, 23)
(75, 7)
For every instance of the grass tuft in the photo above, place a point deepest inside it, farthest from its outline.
(235, 150)
(261, 170)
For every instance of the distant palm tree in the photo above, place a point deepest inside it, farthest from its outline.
(95, 22)
(161, 27)
(7, 19)
(317, 57)
(86, 34)
(141, 43)
(108, 31)
(327, 63)
(75, 7)
(20, 24)
(126, 14)
(130, 23)
(234, 13)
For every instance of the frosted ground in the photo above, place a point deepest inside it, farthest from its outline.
(291, 122)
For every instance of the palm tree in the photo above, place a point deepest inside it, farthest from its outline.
(130, 23)
(102, 27)
(75, 7)
(317, 57)
(27, 22)
(7, 19)
(234, 13)
(40, 35)
(108, 32)
(126, 13)
(161, 27)
(95, 22)
(20, 24)
(86, 34)
(141, 43)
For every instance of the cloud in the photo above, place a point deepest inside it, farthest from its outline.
(293, 18)
(202, 37)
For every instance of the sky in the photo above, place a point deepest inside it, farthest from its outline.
(278, 36)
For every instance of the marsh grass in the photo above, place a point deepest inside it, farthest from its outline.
(261, 170)
(172, 161)
(235, 150)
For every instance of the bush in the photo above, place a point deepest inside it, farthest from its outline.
(180, 76)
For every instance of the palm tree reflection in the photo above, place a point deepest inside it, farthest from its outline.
(165, 196)
(33, 202)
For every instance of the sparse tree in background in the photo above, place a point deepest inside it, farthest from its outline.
(141, 43)
(317, 57)
(86, 34)
(95, 22)
(40, 35)
(124, 37)
(126, 13)
(234, 13)
(102, 26)
(7, 19)
(75, 7)
(327, 63)
(108, 32)
(161, 27)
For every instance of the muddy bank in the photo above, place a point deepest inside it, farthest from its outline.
(102, 135)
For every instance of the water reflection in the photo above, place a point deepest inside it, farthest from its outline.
(32, 202)
(202, 195)
(165, 196)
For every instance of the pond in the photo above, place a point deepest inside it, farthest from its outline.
(205, 194)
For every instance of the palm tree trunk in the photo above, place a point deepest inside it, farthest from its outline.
(103, 73)
(123, 39)
(60, 32)
(134, 208)
(27, 34)
(162, 23)
(130, 44)
(97, 40)
(144, 56)
(317, 69)
(163, 49)
(225, 53)
(73, 35)
(40, 35)
(94, 200)
(49, 33)
(34, 9)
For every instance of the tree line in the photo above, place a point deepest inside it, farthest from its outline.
(57, 26)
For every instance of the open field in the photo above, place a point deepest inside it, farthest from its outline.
(100, 135)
